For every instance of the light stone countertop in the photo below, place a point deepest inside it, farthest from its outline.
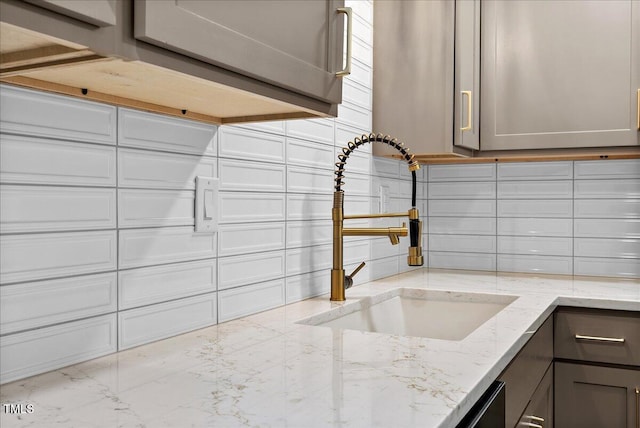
(267, 370)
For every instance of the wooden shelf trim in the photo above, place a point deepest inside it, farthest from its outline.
(439, 158)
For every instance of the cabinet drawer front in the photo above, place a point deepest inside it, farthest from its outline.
(526, 371)
(598, 324)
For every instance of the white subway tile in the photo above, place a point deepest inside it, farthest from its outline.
(309, 180)
(242, 301)
(40, 209)
(535, 171)
(362, 50)
(356, 251)
(604, 247)
(535, 226)
(40, 256)
(306, 233)
(274, 127)
(316, 130)
(383, 167)
(362, 8)
(150, 323)
(156, 170)
(382, 268)
(381, 248)
(37, 304)
(606, 228)
(309, 259)
(146, 286)
(41, 161)
(38, 351)
(463, 190)
(310, 154)
(251, 176)
(245, 144)
(360, 73)
(237, 239)
(155, 208)
(362, 28)
(535, 263)
(467, 261)
(47, 115)
(250, 268)
(535, 189)
(358, 95)
(596, 266)
(599, 169)
(307, 285)
(145, 247)
(251, 207)
(463, 243)
(557, 208)
(357, 205)
(462, 208)
(611, 208)
(470, 172)
(462, 225)
(542, 245)
(353, 115)
(607, 189)
(309, 207)
(158, 132)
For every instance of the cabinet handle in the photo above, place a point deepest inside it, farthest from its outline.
(600, 339)
(535, 418)
(469, 103)
(347, 68)
(530, 425)
(637, 408)
(638, 110)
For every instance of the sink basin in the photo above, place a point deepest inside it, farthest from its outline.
(413, 312)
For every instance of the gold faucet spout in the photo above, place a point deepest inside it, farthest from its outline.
(376, 231)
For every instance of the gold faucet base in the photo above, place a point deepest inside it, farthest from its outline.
(337, 285)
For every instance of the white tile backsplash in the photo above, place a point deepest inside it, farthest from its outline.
(51, 162)
(535, 226)
(535, 171)
(154, 132)
(607, 189)
(47, 115)
(535, 208)
(613, 208)
(471, 172)
(244, 144)
(629, 168)
(251, 176)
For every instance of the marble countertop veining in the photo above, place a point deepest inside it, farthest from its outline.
(267, 370)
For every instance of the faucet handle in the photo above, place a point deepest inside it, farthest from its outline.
(348, 280)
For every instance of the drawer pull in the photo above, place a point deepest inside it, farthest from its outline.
(530, 425)
(347, 68)
(600, 339)
(535, 418)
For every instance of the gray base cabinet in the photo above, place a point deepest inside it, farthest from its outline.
(525, 376)
(595, 397)
(539, 412)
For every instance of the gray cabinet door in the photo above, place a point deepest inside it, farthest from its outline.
(101, 13)
(595, 397)
(297, 45)
(466, 121)
(413, 74)
(539, 411)
(560, 74)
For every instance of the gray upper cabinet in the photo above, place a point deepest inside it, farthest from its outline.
(413, 74)
(559, 74)
(101, 13)
(297, 45)
(214, 61)
(466, 120)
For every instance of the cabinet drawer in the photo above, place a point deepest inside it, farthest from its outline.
(526, 371)
(598, 335)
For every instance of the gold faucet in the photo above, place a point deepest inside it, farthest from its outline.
(339, 281)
